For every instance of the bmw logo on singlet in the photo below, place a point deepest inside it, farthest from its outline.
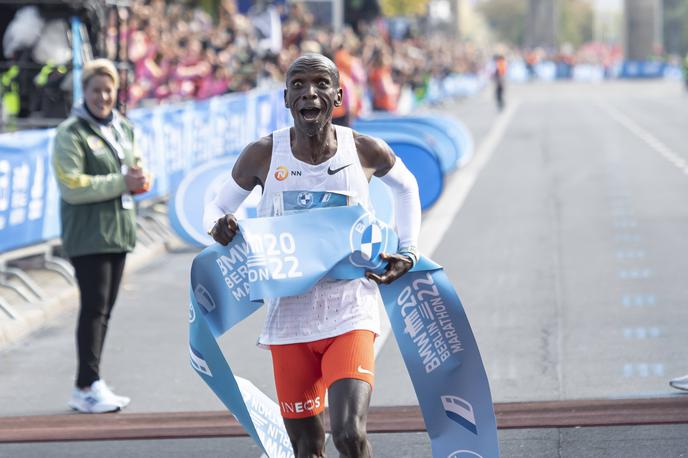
(305, 199)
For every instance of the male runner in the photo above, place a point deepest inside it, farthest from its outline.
(324, 338)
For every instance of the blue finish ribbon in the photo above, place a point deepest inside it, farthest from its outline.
(287, 255)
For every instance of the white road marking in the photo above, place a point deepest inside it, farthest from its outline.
(642, 332)
(643, 370)
(634, 274)
(438, 219)
(644, 135)
(638, 300)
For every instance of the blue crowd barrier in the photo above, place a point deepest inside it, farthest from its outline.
(454, 85)
(458, 132)
(628, 69)
(449, 137)
(193, 133)
(642, 69)
(420, 159)
(173, 140)
(29, 200)
(446, 151)
(176, 139)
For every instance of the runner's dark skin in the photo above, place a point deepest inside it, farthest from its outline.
(311, 94)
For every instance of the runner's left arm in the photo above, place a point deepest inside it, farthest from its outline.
(378, 157)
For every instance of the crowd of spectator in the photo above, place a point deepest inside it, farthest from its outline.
(179, 52)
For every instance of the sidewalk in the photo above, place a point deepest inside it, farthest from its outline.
(61, 296)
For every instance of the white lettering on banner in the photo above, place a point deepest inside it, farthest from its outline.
(37, 190)
(277, 439)
(428, 323)
(234, 132)
(145, 144)
(198, 363)
(360, 227)
(218, 123)
(172, 138)
(265, 111)
(20, 194)
(235, 277)
(4, 185)
(272, 257)
(4, 190)
(200, 132)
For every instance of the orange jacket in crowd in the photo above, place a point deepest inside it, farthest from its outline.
(385, 90)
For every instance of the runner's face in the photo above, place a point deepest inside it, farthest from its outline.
(311, 95)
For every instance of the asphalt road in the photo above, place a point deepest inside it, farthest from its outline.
(568, 254)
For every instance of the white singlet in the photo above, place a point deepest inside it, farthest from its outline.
(332, 307)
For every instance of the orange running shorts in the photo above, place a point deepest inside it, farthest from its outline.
(303, 371)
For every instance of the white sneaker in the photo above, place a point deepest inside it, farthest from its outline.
(680, 383)
(123, 401)
(98, 399)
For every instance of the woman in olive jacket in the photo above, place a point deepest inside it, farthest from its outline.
(97, 171)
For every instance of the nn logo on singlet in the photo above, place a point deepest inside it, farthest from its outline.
(281, 173)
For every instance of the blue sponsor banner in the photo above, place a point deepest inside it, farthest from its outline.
(173, 140)
(642, 69)
(28, 194)
(273, 257)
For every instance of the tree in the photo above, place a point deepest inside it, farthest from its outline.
(506, 18)
(576, 20)
(676, 26)
(360, 10)
(393, 8)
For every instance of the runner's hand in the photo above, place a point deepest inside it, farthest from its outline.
(224, 229)
(397, 265)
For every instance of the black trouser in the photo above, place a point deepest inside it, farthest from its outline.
(499, 95)
(99, 277)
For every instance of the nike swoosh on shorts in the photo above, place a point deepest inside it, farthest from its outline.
(332, 172)
(364, 371)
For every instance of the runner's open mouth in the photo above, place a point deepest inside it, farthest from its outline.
(310, 114)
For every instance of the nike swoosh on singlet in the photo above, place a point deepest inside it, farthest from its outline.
(332, 172)
(360, 369)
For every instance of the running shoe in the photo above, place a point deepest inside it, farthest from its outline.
(680, 383)
(94, 400)
(122, 400)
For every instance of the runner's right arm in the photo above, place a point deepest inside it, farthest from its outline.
(249, 170)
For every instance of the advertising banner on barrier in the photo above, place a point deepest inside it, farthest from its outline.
(642, 69)
(173, 139)
(28, 193)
